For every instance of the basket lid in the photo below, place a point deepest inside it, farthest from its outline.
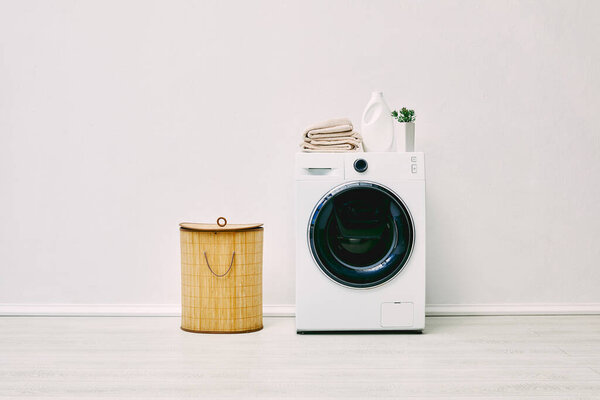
(221, 225)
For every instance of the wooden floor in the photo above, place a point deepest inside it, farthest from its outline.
(550, 357)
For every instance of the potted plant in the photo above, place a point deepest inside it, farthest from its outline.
(404, 140)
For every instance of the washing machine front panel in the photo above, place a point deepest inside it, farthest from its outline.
(361, 234)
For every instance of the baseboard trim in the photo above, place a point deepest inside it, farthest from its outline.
(289, 310)
(279, 310)
(433, 310)
(91, 310)
(119, 310)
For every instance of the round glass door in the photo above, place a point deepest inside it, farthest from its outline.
(361, 234)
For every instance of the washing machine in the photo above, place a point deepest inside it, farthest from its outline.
(360, 242)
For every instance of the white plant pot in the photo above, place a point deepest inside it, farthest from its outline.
(404, 137)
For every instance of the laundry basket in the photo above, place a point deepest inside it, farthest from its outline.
(221, 277)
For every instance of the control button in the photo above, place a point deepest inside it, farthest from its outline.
(361, 165)
(413, 168)
(413, 159)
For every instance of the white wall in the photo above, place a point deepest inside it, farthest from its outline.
(120, 119)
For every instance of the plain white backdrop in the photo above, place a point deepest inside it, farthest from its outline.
(120, 119)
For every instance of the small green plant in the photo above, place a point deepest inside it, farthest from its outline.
(405, 115)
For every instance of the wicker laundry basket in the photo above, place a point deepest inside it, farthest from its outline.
(221, 277)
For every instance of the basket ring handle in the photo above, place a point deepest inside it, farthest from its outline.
(221, 221)
(228, 269)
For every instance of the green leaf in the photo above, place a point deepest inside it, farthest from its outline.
(404, 115)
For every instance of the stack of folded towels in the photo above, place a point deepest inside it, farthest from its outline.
(334, 135)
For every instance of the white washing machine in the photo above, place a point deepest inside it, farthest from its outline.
(360, 241)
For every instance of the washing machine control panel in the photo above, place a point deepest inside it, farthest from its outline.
(360, 166)
(385, 166)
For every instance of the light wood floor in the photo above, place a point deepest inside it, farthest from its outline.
(550, 357)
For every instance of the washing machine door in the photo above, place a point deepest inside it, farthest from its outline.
(361, 234)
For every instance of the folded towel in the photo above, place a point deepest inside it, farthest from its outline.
(331, 135)
(352, 137)
(334, 135)
(329, 126)
(339, 148)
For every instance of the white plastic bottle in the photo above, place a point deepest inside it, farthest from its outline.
(377, 126)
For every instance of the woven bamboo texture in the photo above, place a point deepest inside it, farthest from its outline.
(227, 304)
